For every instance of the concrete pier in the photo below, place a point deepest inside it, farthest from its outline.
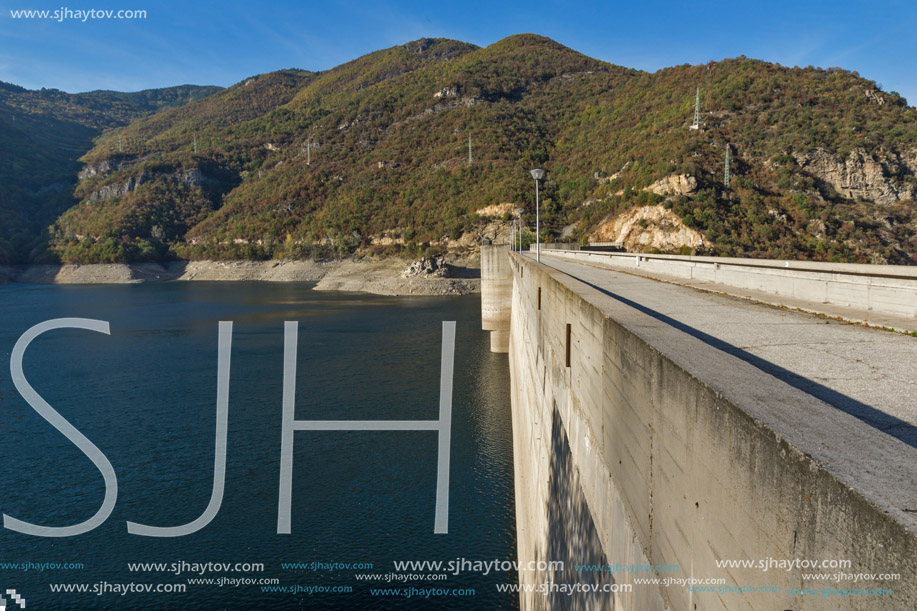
(496, 295)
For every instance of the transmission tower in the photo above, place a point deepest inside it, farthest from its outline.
(696, 124)
(120, 145)
(469, 150)
(195, 145)
(726, 177)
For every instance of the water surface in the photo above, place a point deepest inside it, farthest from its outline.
(146, 396)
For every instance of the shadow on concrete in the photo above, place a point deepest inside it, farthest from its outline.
(888, 424)
(572, 536)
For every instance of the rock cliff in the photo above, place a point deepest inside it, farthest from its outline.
(647, 228)
(861, 175)
(676, 184)
(193, 177)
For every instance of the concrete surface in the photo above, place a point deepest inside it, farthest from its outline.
(690, 428)
(880, 295)
(868, 373)
(496, 291)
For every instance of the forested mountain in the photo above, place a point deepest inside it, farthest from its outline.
(373, 156)
(42, 136)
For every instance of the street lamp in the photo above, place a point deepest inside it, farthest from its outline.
(519, 212)
(537, 174)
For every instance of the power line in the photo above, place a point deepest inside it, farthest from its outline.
(696, 123)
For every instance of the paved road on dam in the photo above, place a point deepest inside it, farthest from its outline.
(868, 373)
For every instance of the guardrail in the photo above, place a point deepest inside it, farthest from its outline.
(886, 289)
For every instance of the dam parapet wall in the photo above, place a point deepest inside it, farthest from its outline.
(878, 289)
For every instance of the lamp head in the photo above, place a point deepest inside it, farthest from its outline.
(537, 174)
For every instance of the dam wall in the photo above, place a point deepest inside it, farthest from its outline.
(636, 444)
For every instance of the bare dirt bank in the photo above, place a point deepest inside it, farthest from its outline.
(381, 277)
(385, 278)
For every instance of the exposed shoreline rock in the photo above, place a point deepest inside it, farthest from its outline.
(430, 267)
(382, 277)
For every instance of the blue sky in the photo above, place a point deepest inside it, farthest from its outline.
(222, 43)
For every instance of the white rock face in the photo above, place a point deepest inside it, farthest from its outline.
(496, 210)
(642, 229)
(676, 184)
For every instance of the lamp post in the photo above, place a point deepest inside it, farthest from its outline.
(519, 212)
(537, 174)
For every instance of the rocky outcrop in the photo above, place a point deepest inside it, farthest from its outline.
(497, 210)
(101, 168)
(430, 267)
(391, 237)
(875, 178)
(873, 96)
(446, 92)
(118, 189)
(645, 228)
(676, 184)
(112, 164)
(438, 108)
(616, 175)
(193, 177)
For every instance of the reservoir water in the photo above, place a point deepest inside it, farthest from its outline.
(146, 396)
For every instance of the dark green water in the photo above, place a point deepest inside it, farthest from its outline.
(146, 396)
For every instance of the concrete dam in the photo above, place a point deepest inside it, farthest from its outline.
(680, 444)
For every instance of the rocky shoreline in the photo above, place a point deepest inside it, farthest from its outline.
(381, 277)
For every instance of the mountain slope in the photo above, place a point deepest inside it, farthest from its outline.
(42, 135)
(822, 161)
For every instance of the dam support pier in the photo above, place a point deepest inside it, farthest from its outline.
(496, 295)
(638, 445)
